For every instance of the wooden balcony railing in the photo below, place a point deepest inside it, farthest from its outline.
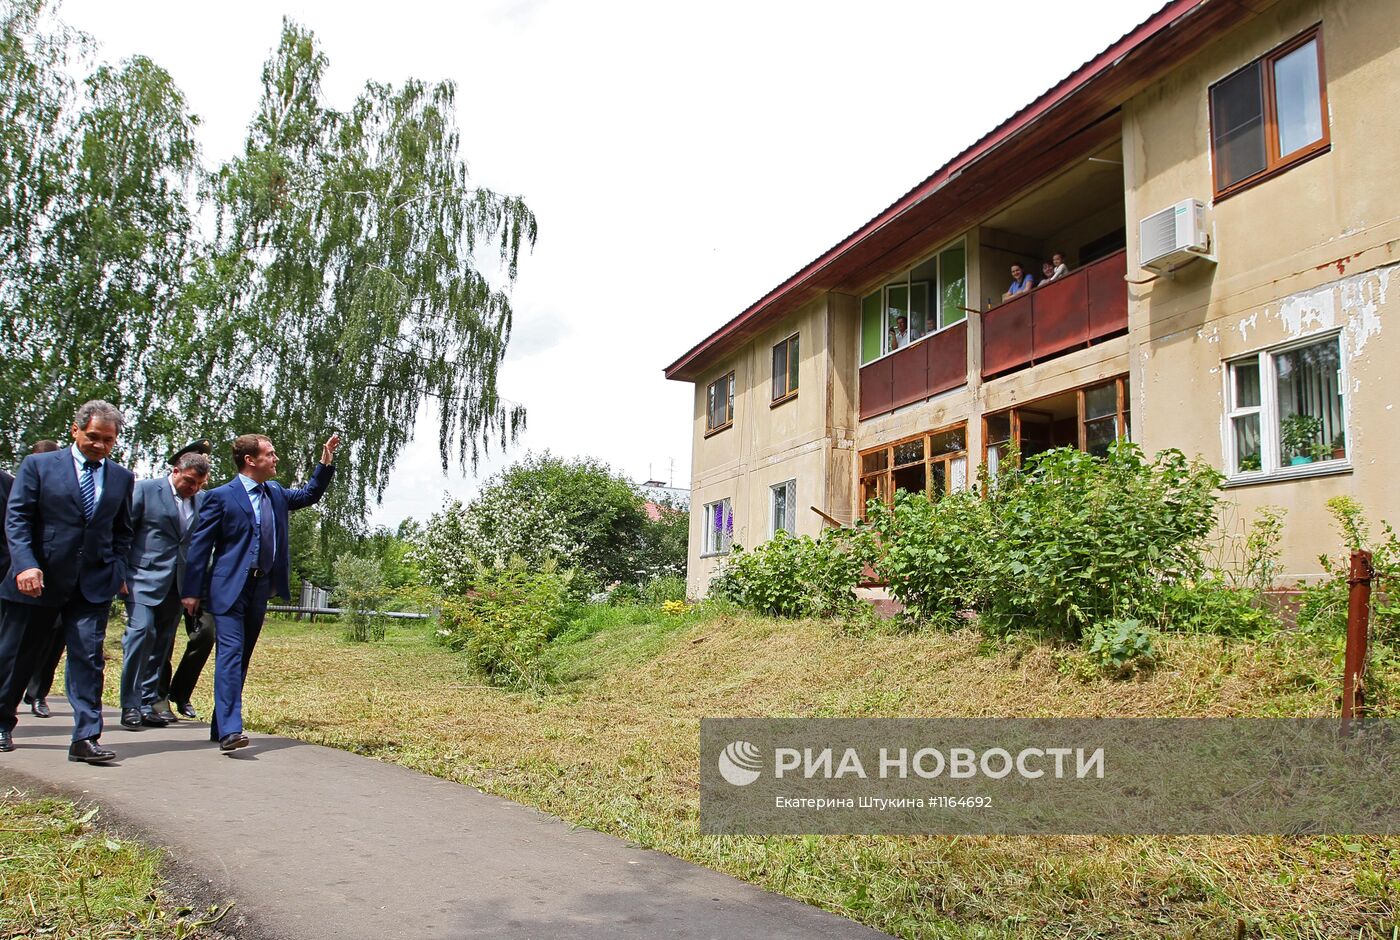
(934, 364)
(1084, 306)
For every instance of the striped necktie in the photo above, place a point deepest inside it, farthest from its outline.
(88, 486)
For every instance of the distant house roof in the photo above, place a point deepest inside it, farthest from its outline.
(1068, 118)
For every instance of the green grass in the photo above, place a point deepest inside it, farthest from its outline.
(62, 876)
(614, 747)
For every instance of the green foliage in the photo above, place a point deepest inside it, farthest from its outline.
(1324, 607)
(657, 591)
(577, 512)
(324, 278)
(1210, 605)
(1261, 567)
(932, 553)
(797, 577)
(1301, 434)
(507, 620)
(1121, 647)
(360, 592)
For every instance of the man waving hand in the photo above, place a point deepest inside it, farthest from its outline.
(243, 526)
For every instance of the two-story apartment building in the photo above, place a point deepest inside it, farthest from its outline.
(1220, 184)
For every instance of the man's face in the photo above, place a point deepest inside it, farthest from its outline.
(95, 442)
(188, 481)
(903, 324)
(263, 466)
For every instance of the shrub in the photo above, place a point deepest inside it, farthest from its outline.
(932, 554)
(1121, 648)
(796, 576)
(1324, 606)
(1210, 605)
(665, 589)
(506, 621)
(361, 591)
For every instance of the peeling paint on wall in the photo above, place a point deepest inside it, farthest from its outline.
(1309, 311)
(1244, 326)
(1358, 297)
(1362, 297)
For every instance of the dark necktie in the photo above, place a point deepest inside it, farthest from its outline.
(265, 524)
(88, 486)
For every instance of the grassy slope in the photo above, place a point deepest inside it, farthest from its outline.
(616, 749)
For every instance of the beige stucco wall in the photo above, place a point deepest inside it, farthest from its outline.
(1309, 251)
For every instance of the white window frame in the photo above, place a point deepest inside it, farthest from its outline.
(934, 289)
(789, 490)
(726, 536)
(1270, 443)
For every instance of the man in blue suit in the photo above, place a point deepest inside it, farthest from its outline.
(69, 527)
(243, 524)
(163, 512)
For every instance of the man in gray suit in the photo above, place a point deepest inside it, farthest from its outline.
(163, 512)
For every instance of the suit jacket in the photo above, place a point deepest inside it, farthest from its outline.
(158, 548)
(46, 528)
(6, 481)
(225, 531)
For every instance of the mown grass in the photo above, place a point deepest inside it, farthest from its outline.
(61, 876)
(615, 748)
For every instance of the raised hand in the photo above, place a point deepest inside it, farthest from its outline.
(328, 452)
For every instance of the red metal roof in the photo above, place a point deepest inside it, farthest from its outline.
(1149, 49)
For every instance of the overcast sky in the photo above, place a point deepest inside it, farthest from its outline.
(682, 159)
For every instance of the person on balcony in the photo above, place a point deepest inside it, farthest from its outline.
(899, 334)
(1021, 281)
(1047, 273)
(1058, 267)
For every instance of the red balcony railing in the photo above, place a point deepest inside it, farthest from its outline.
(934, 364)
(1084, 306)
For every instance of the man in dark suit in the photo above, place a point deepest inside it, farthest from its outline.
(163, 512)
(69, 526)
(36, 695)
(243, 524)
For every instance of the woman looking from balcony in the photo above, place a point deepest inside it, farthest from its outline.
(1020, 282)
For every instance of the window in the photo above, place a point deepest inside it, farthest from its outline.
(785, 361)
(928, 297)
(783, 500)
(719, 527)
(719, 406)
(1285, 408)
(1270, 114)
(1089, 418)
(933, 464)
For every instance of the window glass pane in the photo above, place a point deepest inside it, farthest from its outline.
(940, 479)
(1246, 383)
(910, 479)
(1237, 115)
(793, 360)
(952, 280)
(918, 311)
(1298, 98)
(909, 452)
(780, 507)
(1101, 401)
(1099, 434)
(779, 370)
(1309, 401)
(947, 442)
(872, 331)
(874, 460)
(896, 307)
(729, 401)
(1248, 450)
(998, 428)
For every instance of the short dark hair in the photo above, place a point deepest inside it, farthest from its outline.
(247, 445)
(44, 447)
(195, 461)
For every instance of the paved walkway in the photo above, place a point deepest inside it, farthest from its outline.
(313, 842)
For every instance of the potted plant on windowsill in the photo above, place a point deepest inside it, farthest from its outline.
(1250, 462)
(1339, 446)
(1300, 435)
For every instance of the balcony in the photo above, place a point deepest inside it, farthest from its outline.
(1082, 308)
(934, 364)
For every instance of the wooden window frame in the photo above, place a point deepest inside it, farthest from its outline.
(884, 479)
(793, 345)
(1274, 162)
(1122, 415)
(709, 389)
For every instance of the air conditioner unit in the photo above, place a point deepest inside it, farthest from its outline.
(1178, 233)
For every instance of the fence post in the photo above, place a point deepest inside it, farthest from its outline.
(1358, 621)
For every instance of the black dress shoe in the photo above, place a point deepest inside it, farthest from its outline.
(131, 717)
(187, 710)
(7, 743)
(40, 707)
(233, 741)
(89, 752)
(152, 720)
(162, 711)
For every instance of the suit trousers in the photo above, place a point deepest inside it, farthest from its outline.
(42, 680)
(199, 643)
(150, 632)
(27, 630)
(236, 632)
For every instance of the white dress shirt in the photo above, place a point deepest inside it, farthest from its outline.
(97, 475)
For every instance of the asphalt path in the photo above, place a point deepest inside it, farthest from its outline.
(310, 842)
